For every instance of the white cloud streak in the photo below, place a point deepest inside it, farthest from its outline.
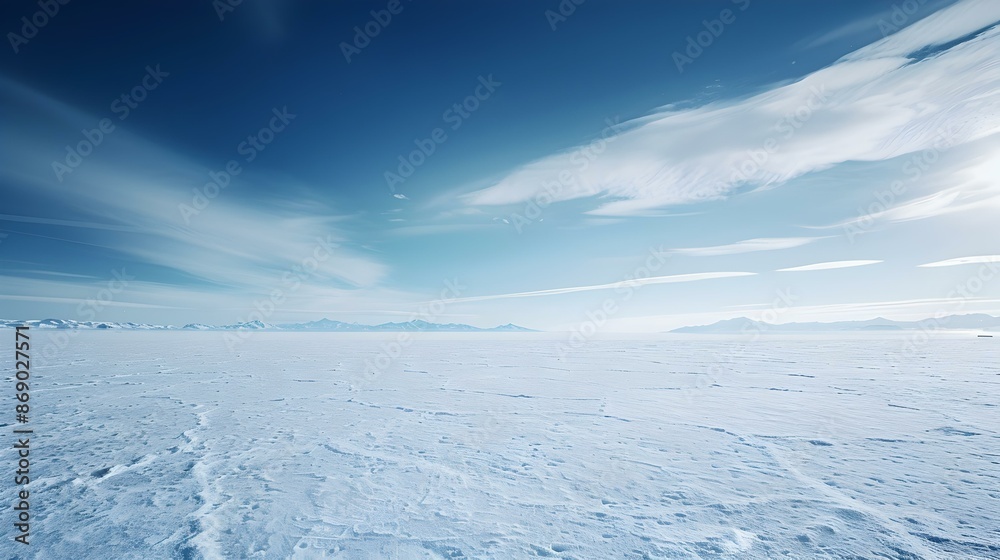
(984, 259)
(747, 246)
(828, 266)
(68, 223)
(694, 277)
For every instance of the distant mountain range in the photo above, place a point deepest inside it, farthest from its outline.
(322, 325)
(976, 321)
(739, 325)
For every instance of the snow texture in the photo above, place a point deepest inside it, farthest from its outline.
(165, 445)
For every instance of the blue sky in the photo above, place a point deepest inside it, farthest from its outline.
(650, 164)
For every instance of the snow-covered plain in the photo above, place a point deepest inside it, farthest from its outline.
(166, 445)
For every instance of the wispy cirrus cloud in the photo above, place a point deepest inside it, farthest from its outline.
(962, 181)
(983, 259)
(693, 277)
(954, 22)
(880, 102)
(69, 223)
(126, 198)
(828, 265)
(747, 246)
(916, 209)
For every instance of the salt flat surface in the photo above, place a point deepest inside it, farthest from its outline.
(165, 445)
